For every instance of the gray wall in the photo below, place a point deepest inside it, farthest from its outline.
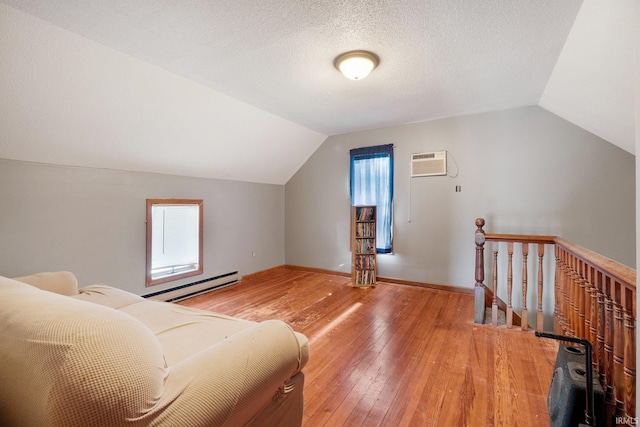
(92, 222)
(524, 170)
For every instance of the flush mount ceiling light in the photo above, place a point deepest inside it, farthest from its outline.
(356, 64)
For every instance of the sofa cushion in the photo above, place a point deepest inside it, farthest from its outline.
(60, 282)
(6, 283)
(181, 331)
(107, 296)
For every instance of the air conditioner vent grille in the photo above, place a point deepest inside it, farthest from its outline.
(429, 164)
(424, 156)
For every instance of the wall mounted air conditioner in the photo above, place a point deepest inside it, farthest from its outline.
(429, 164)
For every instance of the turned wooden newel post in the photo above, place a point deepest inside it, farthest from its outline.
(479, 288)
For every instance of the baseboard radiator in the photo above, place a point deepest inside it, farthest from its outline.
(191, 289)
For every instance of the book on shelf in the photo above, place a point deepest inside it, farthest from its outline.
(365, 213)
(365, 229)
(365, 277)
(365, 262)
(365, 246)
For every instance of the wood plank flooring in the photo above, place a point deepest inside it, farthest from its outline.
(397, 355)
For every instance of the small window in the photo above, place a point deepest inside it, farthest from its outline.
(372, 184)
(174, 239)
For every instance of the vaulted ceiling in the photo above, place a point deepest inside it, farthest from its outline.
(247, 90)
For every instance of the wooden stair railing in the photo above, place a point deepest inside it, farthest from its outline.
(524, 241)
(594, 299)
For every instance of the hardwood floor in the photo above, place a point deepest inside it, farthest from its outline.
(397, 355)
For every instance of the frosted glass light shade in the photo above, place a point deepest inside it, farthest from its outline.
(357, 64)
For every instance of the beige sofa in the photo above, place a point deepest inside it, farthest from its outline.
(100, 356)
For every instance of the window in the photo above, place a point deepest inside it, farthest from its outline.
(174, 239)
(372, 184)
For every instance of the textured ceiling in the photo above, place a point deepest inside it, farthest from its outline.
(238, 82)
(439, 58)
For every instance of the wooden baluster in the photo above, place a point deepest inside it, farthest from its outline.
(525, 254)
(494, 305)
(559, 302)
(566, 295)
(601, 326)
(586, 277)
(591, 314)
(575, 297)
(568, 308)
(509, 284)
(540, 319)
(577, 292)
(557, 310)
(564, 292)
(630, 354)
(582, 296)
(610, 397)
(479, 287)
(618, 348)
(570, 299)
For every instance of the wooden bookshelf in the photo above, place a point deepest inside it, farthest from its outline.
(363, 226)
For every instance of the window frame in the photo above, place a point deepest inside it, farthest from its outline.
(150, 281)
(367, 153)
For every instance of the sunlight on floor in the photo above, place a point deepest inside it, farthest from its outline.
(335, 322)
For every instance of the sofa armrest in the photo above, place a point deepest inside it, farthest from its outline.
(231, 381)
(59, 282)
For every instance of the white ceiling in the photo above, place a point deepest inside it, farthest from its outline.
(238, 82)
(592, 84)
